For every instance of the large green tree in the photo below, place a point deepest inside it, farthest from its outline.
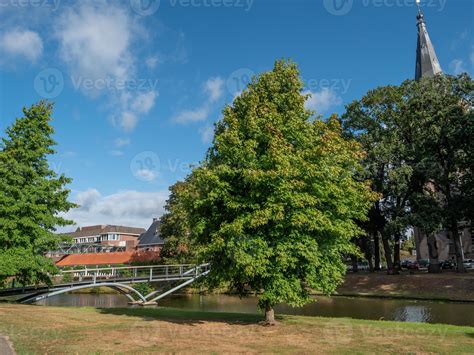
(274, 204)
(31, 197)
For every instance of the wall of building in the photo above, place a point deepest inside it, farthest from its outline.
(445, 247)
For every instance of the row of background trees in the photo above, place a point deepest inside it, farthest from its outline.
(419, 140)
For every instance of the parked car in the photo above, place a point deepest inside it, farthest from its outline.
(448, 265)
(424, 264)
(405, 264)
(413, 265)
(469, 264)
(361, 266)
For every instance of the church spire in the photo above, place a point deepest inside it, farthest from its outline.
(427, 64)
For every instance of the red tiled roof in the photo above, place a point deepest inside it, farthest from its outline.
(96, 259)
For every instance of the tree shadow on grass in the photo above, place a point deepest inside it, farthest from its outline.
(471, 335)
(180, 316)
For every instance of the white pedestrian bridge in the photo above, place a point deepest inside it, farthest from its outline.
(170, 279)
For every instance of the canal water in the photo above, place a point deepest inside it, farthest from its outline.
(359, 308)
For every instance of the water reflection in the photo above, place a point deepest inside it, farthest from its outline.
(360, 308)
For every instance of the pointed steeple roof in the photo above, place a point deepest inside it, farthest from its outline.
(427, 64)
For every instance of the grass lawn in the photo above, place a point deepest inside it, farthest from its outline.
(36, 329)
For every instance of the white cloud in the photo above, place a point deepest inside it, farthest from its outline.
(122, 142)
(87, 198)
(96, 41)
(116, 153)
(322, 101)
(457, 66)
(207, 134)
(188, 116)
(128, 120)
(23, 43)
(144, 102)
(151, 62)
(130, 208)
(214, 88)
(146, 175)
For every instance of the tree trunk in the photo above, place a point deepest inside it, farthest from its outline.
(388, 254)
(457, 245)
(367, 246)
(417, 233)
(396, 253)
(269, 314)
(376, 252)
(355, 267)
(434, 267)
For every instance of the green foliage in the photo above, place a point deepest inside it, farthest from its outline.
(418, 139)
(174, 228)
(273, 205)
(144, 288)
(31, 197)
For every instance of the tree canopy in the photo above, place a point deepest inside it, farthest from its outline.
(418, 139)
(273, 206)
(31, 197)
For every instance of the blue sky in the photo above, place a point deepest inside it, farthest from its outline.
(138, 84)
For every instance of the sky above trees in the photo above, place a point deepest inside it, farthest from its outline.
(137, 89)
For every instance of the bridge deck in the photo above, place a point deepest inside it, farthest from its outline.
(111, 277)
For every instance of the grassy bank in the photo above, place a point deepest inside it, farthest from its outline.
(35, 329)
(448, 286)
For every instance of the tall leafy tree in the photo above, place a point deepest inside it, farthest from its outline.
(419, 157)
(274, 204)
(31, 197)
(375, 121)
(174, 226)
(442, 107)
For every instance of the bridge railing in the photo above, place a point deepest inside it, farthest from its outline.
(153, 272)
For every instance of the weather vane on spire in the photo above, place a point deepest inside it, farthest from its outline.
(418, 4)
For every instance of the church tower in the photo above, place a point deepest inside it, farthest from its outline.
(427, 64)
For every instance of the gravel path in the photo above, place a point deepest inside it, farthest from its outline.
(5, 346)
